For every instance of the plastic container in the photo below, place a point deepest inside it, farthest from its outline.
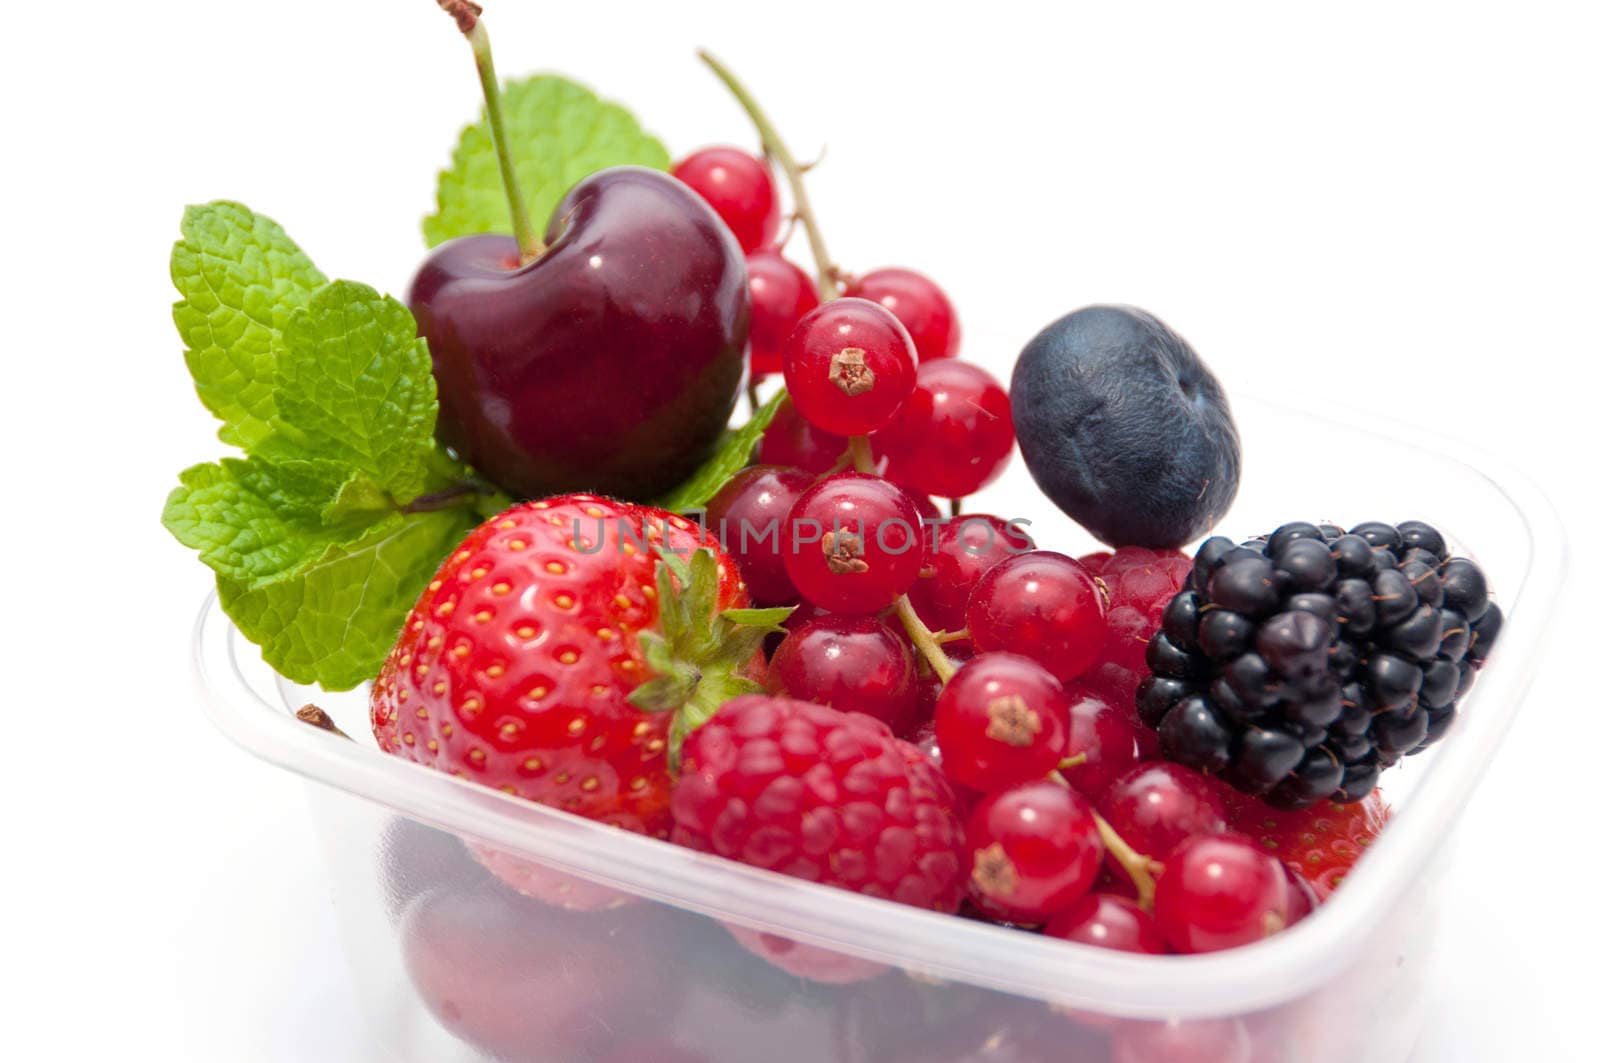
(471, 971)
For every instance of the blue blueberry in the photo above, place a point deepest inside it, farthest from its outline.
(1124, 428)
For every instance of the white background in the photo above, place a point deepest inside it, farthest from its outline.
(1392, 209)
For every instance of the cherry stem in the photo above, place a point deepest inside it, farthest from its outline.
(955, 507)
(924, 640)
(466, 15)
(1075, 761)
(958, 635)
(860, 455)
(827, 271)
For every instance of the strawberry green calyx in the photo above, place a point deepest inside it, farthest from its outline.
(702, 656)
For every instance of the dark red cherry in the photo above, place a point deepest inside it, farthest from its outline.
(609, 363)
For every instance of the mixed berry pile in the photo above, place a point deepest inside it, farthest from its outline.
(526, 521)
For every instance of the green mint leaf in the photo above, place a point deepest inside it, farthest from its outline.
(731, 455)
(239, 276)
(560, 133)
(355, 384)
(255, 520)
(334, 620)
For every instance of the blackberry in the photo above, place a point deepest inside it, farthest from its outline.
(1298, 666)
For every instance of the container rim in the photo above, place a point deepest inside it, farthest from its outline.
(1281, 968)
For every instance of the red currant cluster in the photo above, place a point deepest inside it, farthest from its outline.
(1014, 668)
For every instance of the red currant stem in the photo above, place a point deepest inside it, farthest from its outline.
(793, 172)
(466, 16)
(1140, 868)
(846, 461)
(924, 640)
(754, 398)
(319, 719)
(1074, 761)
(860, 455)
(955, 507)
(958, 635)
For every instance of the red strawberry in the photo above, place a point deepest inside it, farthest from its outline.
(530, 661)
(1139, 583)
(1320, 843)
(825, 796)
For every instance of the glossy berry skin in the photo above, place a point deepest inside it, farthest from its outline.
(792, 440)
(848, 366)
(921, 305)
(851, 663)
(953, 434)
(781, 293)
(856, 543)
(1034, 850)
(1220, 891)
(1042, 605)
(822, 795)
(515, 666)
(1110, 922)
(1125, 428)
(1000, 722)
(749, 516)
(611, 362)
(1156, 806)
(1106, 739)
(956, 554)
(740, 188)
(1321, 843)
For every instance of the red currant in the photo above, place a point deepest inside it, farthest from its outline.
(848, 366)
(1042, 605)
(1001, 721)
(1033, 850)
(792, 440)
(953, 435)
(851, 663)
(956, 555)
(1155, 806)
(855, 543)
(781, 293)
(1220, 891)
(739, 187)
(1110, 922)
(921, 306)
(749, 517)
(1103, 737)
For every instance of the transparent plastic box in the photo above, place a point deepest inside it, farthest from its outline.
(454, 967)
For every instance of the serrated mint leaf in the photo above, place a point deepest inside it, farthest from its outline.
(255, 520)
(333, 621)
(560, 133)
(731, 455)
(240, 276)
(354, 384)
